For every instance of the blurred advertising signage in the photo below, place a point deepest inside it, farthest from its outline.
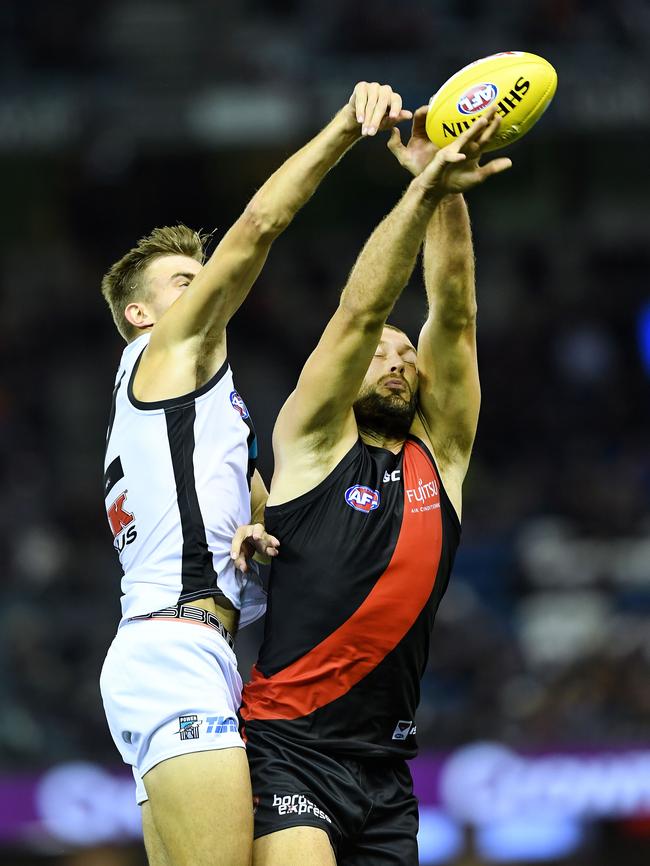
(483, 784)
(486, 782)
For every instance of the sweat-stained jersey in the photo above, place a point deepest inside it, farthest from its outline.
(364, 560)
(177, 485)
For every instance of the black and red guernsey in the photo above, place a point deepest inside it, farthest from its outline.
(365, 558)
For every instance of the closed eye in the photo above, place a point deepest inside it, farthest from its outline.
(187, 279)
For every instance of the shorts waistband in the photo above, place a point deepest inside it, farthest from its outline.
(189, 612)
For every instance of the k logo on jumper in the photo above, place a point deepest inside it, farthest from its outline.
(118, 517)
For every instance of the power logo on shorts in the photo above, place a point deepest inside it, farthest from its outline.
(362, 498)
(188, 727)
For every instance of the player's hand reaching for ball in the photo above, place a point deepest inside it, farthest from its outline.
(252, 541)
(455, 168)
(418, 152)
(374, 107)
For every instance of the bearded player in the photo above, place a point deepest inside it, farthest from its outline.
(178, 472)
(371, 450)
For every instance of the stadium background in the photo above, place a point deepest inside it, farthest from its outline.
(119, 116)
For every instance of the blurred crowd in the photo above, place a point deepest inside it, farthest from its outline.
(542, 638)
(543, 635)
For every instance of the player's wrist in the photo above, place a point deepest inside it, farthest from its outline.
(347, 125)
(430, 193)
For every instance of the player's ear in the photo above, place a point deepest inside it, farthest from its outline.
(138, 315)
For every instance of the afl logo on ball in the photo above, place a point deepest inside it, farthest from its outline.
(362, 498)
(477, 98)
(238, 404)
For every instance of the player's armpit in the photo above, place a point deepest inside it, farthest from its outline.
(449, 392)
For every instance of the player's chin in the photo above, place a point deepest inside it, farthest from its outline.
(398, 398)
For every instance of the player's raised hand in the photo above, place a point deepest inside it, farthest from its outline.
(418, 152)
(374, 107)
(250, 540)
(455, 168)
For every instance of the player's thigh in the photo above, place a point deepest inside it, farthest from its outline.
(156, 853)
(202, 807)
(295, 846)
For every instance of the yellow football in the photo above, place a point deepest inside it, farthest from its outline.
(521, 85)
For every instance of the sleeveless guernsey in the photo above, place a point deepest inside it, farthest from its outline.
(177, 485)
(365, 558)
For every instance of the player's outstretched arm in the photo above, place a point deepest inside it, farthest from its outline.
(319, 412)
(449, 390)
(218, 290)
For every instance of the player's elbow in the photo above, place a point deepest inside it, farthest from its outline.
(364, 313)
(264, 221)
(458, 318)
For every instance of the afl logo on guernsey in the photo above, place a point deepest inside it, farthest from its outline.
(238, 404)
(477, 98)
(362, 498)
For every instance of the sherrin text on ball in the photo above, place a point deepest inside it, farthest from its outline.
(519, 84)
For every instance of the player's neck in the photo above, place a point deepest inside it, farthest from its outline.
(378, 440)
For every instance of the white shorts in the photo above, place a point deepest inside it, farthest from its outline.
(169, 688)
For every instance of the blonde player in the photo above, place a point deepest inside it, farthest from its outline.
(179, 479)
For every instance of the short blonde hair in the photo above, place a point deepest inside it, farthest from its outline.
(122, 283)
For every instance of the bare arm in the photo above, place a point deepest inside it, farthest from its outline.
(222, 285)
(449, 392)
(259, 495)
(318, 415)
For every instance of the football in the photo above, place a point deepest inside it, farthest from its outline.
(521, 85)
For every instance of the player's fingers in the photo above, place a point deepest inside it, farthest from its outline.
(420, 122)
(472, 134)
(238, 540)
(395, 105)
(257, 532)
(383, 101)
(395, 142)
(360, 96)
(496, 166)
(472, 149)
(371, 104)
(491, 130)
(450, 156)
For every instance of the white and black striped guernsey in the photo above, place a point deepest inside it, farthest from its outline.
(177, 485)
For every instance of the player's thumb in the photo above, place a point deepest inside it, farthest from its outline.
(238, 540)
(394, 143)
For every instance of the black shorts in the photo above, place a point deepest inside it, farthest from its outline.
(366, 806)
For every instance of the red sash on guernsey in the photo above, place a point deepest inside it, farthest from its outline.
(350, 653)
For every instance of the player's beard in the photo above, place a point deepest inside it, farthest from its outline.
(387, 415)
